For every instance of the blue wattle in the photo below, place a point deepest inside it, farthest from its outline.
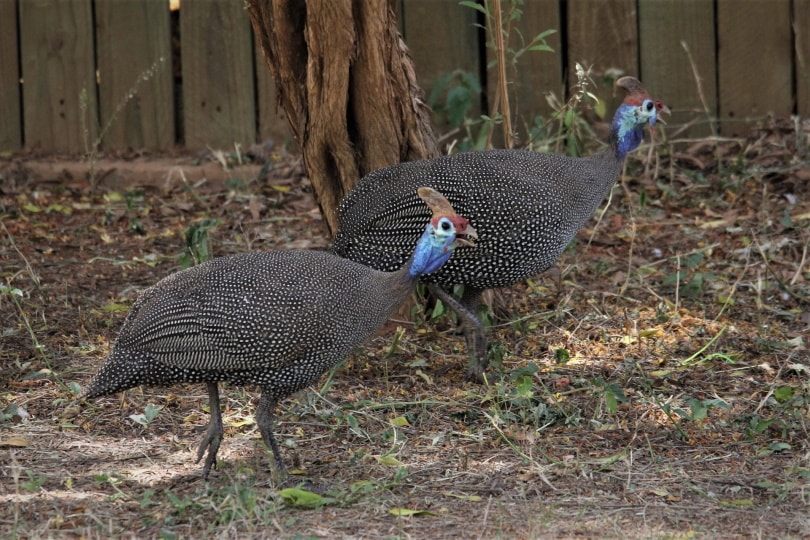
(428, 256)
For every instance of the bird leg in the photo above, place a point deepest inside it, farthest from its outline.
(214, 435)
(264, 419)
(473, 328)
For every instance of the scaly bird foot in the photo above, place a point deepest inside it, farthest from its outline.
(210, 443)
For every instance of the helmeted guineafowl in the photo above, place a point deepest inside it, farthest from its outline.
(526, 207)
(277, 319)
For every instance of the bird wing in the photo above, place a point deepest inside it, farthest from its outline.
(229, 319)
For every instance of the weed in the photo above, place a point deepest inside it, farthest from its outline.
(198, 243)
(16, 296)
(11, 411)
(182, 505)
(516, 399)
(699, 409)
(147, 499)
(567, 126)
(305, 499)
(133, 198)
(757, 425)
(499, 26)
(149, 414)
(454, 95)
(34, 482)
(113, 480)
(91, 148)
(774, 447)
(452, 98)
(612, 394)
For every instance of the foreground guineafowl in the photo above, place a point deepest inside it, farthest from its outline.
(277, 319)
(526, 207)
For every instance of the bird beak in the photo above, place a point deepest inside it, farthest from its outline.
(661, 108)
(468, 237)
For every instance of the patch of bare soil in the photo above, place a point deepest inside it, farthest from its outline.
(653, 384)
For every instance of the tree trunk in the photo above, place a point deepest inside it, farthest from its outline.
(348, 87)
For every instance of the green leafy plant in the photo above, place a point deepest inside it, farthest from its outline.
(612, 393)
(690, 281)
(34, 482)
(698, 409)
(198, 243)
(113, 480)
(567, 129)
(500, 27)
(149, 414)
(517, 399)
(12, 411)
(455, 94)
(304, 498)
(180, 505)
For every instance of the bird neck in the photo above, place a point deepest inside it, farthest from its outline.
(625, 133)
(391, 290)
(430, 254)
(406, 276)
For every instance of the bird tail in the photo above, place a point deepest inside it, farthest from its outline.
(121, 371)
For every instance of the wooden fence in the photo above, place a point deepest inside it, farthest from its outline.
(135, 74)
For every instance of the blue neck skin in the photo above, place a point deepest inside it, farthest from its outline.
(431, 252)
(625, 130)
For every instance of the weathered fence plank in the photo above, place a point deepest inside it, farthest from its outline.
(801, 18)
(534, 73)
(751, 56)
(667, 30)
(754, 61)
(603, 34)
(135, 74)
(217, 57)
(10, 126)
(59, 80)
(442, 38)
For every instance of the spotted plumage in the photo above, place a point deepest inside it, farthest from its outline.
(278, 320)
(525, 206)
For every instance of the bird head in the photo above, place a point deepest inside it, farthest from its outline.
(445, 231)
(637, 110)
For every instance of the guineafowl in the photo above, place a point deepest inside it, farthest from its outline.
(526, 207)
(277, 319)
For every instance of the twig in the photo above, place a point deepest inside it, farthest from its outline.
(28, 267)
(703, 349)
(629, 256)
(500, 54)
(801, 264)
(764, 400)
(677, 282)
(699, 84)
(515, 449)
(796, 295)
(486, 515)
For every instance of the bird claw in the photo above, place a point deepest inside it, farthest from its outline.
(475, 373)
(210, 445)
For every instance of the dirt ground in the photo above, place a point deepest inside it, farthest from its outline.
(654, 384)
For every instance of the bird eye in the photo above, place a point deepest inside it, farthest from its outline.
(445, 225)
(649, 105)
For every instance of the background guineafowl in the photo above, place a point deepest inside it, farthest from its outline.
(278, 320)
(526, 207)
